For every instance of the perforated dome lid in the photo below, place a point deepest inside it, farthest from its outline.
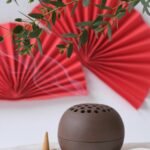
(91, 123)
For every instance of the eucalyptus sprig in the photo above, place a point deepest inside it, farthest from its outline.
(51, 10)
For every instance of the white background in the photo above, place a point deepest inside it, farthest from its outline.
(23, 123)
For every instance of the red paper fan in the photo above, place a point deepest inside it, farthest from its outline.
(41, 76)
(123, 63)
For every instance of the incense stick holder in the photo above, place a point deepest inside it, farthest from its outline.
(91, 127)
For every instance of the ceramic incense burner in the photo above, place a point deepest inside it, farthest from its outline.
(91, 127)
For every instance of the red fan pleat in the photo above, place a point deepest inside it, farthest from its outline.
(124, 62)
(38, 76)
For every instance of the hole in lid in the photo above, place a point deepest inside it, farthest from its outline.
(82, 107)
(89, 107)
(75, 110)
(78, 106)
(89, 111)
(82, 111)
(108, 110)
(104, 110)
(71, 109)
(97, 108)
(96, 111)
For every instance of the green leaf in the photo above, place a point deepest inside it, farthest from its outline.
(54, 17)
(8, 1)
(39, 45)
(1, 39)
(18, 41)
(74, 8)
(109, 31)
(83, 38)
(120, 15)
(120, 9)
(103, 3)
(35, 33)
(83, 24)
(30, 1)
(58, 15)
(60, 46)
(36, 15)
(57, 3)
(106, 7)
(18, 19)
(69, 50)
(26, 42)
(70, 35)
(120, 12)
(18, 29)
(48, 25)
(24, 52)
(98, 30)
(97, 22)
(86, 2)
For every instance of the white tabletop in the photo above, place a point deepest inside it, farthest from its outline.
(54, 146)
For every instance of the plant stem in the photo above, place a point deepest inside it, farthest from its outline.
(55, 9)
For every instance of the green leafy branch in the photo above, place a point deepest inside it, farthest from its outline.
(51, 10)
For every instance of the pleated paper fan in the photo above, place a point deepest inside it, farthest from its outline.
(124, 62)
(41, 76)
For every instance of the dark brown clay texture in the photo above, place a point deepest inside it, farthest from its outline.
(91, 127)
